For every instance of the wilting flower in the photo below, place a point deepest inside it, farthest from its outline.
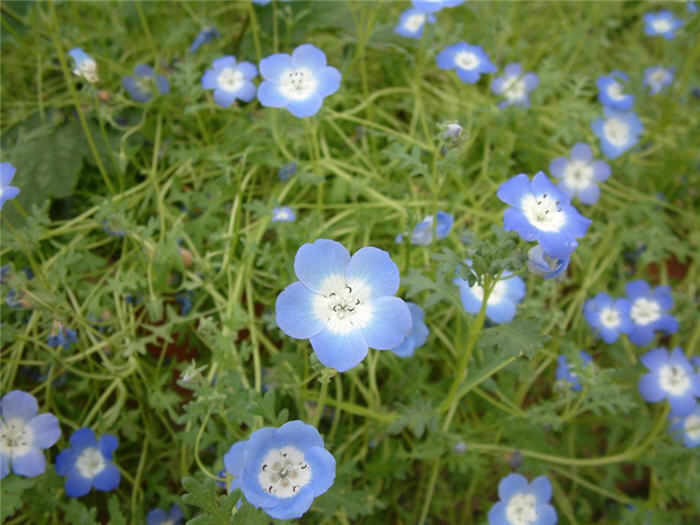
(423, 232)
(298, 82)
(24, 434)
(283, 214)
(207, 34)
(160, 517)
(418, 334)
(566, 372)
(648, 311)
(542, 264)
(7, 192)
(618, 131)
(469, 61)
(671, 377)
(580, 174)
(688, 428)
(230, 80)
(610, 91)
(433, 6)
(412, 22)
(503, 300)
(514, 86)
(522, 503)
(608, 317)
(657, 78)
(141, 86)
(662, 23)
(343, 305)
(85, 65)
(281, 470)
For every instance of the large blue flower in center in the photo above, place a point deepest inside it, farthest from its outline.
(343, 304)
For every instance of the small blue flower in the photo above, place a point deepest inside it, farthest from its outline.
(671, 377)
(298, 82)
(88, 463)
(343, 305)
(469, 61)
(514, 85)
(657, 78)
(648, 311)
(502, 302)
(662, 23)
(451, 131)
(7, 192)
(207, 34)
(418, 334)
(608, 317)
(460, 447)
(24, 434)
(522, 503)
(618, 131)
(542, 264)
(141, 85)
(610, 91)
(185, 301)
(283, 214)
(61, 336)
(566, 371)
(688, 428)
(691, 6)
(159, 516)
(230, 81)
(285, 172)
(541, 212)
(423, 232)
(261, 2)
(433, 6)
(281, 470)
(412, 22)
(580, 174)
(85, 65)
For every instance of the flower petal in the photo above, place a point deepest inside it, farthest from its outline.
(308, 56)
(515, 220)
(294, 312)
(209, 79)
(224, 98)
(542, 489)
(650, 388)
(582, 151)
(546, 515)
(224, 62)
(291, 508)
(248, 70)
(18, 404)
(316, 262)
(272, 67)
(497, 514)
(305, 108)
(514, 189)
(328, 81)
(557, 167)
(323, 467)
(511, 485)
(389, 324)
(501, 312)
(45, 429)
(590, 194)
(269, 95)
(107, 479)
(30, 464)
(299, 434)
(65, 461)
(372, 273)
(77, 486)
(83, 438)
(107, 444)
(340, 351)
(235, 457)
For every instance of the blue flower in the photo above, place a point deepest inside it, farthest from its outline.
(514, 86)
(418, 334)
(565, 372)
(88, 463)
(261, 2)
(662, 23)
(185, 301)
(580, 174)
(142, 84)
(610, 91)
(85, 65)
(469, 61)
(423, 232)
(657, 78)
(688, 428)
(159, 516)
(285, 172)
(207, 34)
(618, 131)
(230, 80)
(522, 503)
(412, 22)
(283, 214)
(281, 470)
(433, 6)
(502, 302)
(648, 311)
(542, 264)
(608, 317)
(62, 336)
(343, 305)
(691, 6)
(671, 377)
(541, 212)
(23, 434)
(298, 82)
(7, 192)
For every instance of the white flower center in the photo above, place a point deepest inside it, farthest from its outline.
(514, 88)
(414, 22)
(230, 79)
(88, 69)
(284, 472)
(496, 294)
(644, 311)
(692, 427)
(674, 380)
(543, 212)
(16, 439)
(615, 91)
(282, 215)
(578, 174)
(610, 318)
(90, 463)
(343, 307)
(298, 84)
(661, 25)
(616, 131)
(466, 60)
(520, 509)
(658, 76)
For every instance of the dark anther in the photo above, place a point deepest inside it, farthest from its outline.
(304, 466)
(349, 289)
(264, 467)
(284, 455)
(270, 489)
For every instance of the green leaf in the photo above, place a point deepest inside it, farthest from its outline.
(115, 513)
(519, 337)
(205, 495)
(12, 489)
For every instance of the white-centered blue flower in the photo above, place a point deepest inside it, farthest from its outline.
(610, 91)
(24, 434)
(618, 131)
(283, 214)
(7, 192)
(343, 305)
(670, 377)
(423, 231)
(469, 61)
(662, 23)
(514, 85)
(412, 21)
(608, 317)
(579, 174)
(541, 212)
(230, 80)
(566, 372)
(433, 6)
(542, 264)
(85, 66)
(281, 470)
(298, 82)
(160, 517)
(142, 85)
(418, 334)
(523, 503)
(691, 6)
(688, 428)
(648, 311)
(502, 302)
(657, 78)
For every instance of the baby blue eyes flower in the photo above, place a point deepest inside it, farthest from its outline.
(85, 65)
(648, 311)
(423, 232)
(343, 305)
(433, 6)
(610, 91)
(230, 80)
(207, 34)
(298, 82)
(514, 86)
(286, 171)
(160, 517)
(418, 334)
(281, 470)
(579, 174)
(618, 131)
(542, 264)
(608, 317)
(412, 22)
(502, 302)
(657, 78)
(23, 435)
(541, 212)
(670, 377)
(283, 214)
(523, 503)
(7, 192)
(662, 23)
(469, 61)
(88, 463)
(688, 428)
(566, 372)
(141, 85)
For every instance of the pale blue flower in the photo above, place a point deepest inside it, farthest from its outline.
(285, 172)
(502, 303)
(608, 317)
(688, 428)
(283, 214)
(142, 85)
(580, 174)
(618, 131)
(523, 503)
(7, 192)
(85, 66)
(230, 80)
(469, 61)
(566, 372)
(670, 377)
(423, 232)
(160, 517)
(433, 6)
(418, 334)
(657, 78)
(648, 311)
(662, 23)
(610, 91)
(412, 22)
(207, 34)
(542, 264)
(514, 85)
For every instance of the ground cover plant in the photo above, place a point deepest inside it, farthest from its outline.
(429, 262)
